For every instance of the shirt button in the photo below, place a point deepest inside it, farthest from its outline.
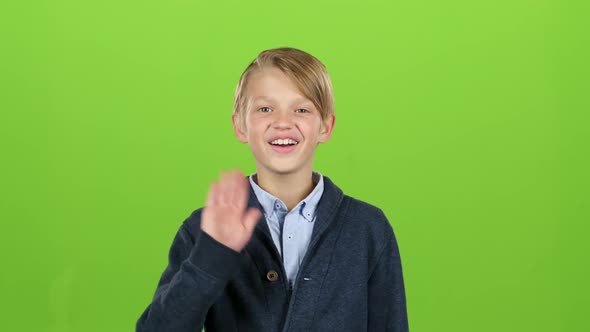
(272, 275)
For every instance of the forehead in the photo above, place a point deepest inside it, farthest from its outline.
(272, 99)
(271, 81)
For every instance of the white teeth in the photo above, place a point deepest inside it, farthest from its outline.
(283, 141)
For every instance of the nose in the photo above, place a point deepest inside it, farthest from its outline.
(283, 120)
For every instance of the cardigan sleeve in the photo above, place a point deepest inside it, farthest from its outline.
(387, 299)
(197, 272)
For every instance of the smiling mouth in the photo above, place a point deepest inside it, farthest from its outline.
(283, 149)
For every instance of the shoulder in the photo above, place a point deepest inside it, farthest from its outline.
(366, 212)
(361, 217)
(368, 218)
(191, 226)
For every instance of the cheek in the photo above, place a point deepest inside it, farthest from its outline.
(311, 128)
(255, 132)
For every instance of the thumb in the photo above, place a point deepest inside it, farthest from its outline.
(251, 219)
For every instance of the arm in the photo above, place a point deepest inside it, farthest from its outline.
(387, 299)
(199, 267)
(196, 275)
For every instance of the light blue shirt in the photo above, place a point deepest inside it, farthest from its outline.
(290, 230)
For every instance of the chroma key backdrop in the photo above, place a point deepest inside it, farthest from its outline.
(465, 121)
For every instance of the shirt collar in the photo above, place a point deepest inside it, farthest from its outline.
(306, 207)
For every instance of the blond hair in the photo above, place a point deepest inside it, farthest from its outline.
(306, 71)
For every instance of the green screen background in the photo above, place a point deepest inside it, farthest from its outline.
(465, 121)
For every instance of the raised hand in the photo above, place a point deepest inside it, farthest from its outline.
(224, 216)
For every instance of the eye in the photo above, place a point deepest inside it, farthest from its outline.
(264, 107)
(303, 109)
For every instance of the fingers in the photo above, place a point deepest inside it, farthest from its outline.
(212, 194)
(232, 189)
(241, 191)
(231, 185)
(251, 218)
(225, 188)
(225, 216)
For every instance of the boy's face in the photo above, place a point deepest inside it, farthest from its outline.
(276, 112)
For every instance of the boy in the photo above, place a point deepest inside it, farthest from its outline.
(319, 260)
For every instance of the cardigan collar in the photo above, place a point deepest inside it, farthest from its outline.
(325, 210)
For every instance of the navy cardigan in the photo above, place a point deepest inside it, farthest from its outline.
(349, 280)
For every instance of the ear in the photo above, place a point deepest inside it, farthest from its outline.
(327, 127)
(240, 135)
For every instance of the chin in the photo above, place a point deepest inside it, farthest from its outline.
(282, 168)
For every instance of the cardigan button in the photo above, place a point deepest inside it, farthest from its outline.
(272, 275)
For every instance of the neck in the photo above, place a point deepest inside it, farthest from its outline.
(290, 188)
